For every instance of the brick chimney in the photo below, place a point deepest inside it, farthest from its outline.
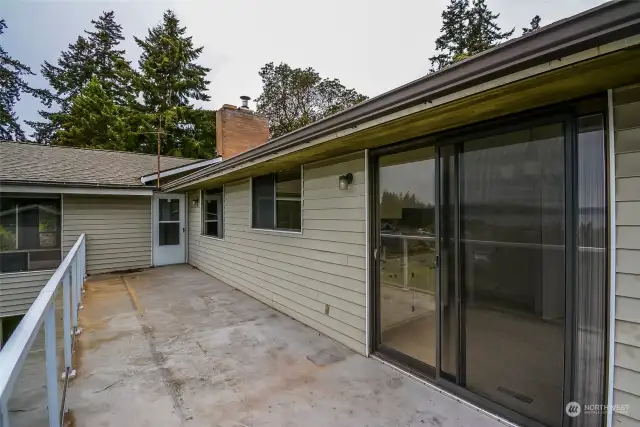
(239, 129)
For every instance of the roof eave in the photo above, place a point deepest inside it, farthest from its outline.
(151, 177)
(68, 184)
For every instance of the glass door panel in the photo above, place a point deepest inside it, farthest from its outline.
(407, 254)
(169, 222)
(512, 269)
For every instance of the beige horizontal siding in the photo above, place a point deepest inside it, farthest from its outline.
(316, 276)
(627, 140)
(628, 285)
(627, 328)
(19, 290)
(118, 230)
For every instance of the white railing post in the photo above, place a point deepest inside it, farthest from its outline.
(78, 290)
(76, 269)
(80, 281)
(67, 329)
(84, 257)
(74, 296)
(80, 268)
(51, 366)
(82, 263)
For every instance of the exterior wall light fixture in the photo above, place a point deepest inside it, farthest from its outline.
(345, 180)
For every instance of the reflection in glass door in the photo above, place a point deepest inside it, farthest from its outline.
(407, 256)
(518, 262)
(523, 270)
(512, 269)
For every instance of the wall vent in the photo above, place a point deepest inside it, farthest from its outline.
(521, 397)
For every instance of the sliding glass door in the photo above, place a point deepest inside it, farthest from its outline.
(407, 263)
(490, 265)
(512, 269)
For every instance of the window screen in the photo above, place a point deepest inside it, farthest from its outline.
(277, 200)
(212, 213)
(263, 213)
(288, 191)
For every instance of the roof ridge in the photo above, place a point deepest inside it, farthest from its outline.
(101, 150)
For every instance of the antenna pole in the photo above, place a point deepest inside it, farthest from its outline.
(159, 131)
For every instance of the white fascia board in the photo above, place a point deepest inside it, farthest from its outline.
(46, 189)
(154, 176)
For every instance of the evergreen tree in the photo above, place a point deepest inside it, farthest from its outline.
(533, 26)
(169, 81)
(12, 85)
(466, 31)
(93, 55)
(484, 32)
(295, 97)
(202, 135)
(66, 80)
(96, 121)
(452, 42)
(109, 65)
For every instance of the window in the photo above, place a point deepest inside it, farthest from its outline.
(277, 201)
(212, 213)
(169, 222)
(29, 233)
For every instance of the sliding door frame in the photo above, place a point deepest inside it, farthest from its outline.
(456, 141)
(392, 355)
(567, 114)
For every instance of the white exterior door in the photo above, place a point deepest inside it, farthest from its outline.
(169, 229)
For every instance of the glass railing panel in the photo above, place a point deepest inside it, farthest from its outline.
(27, 403)
(59, 315)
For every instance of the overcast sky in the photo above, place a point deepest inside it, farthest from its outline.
(370, 45)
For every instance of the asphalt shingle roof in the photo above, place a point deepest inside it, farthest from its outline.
(37, 163)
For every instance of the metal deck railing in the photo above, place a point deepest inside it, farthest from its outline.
(59, 299)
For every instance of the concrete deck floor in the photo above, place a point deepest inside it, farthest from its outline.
(173, 346)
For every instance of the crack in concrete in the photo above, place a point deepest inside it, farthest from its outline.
(171, 384)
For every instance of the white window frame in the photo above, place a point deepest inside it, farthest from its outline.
(220, 220)
(275, 211)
